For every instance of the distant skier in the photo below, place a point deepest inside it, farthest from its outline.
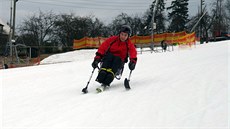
(164, 45)
(113, 54)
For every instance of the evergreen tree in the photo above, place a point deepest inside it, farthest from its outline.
(178, 15)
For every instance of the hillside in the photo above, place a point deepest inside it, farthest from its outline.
(183, 89)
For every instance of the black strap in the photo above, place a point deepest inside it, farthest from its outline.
(110, 46)
(127, 53)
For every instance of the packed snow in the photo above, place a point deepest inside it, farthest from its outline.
(187, 88)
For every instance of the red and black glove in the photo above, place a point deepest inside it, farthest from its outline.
(95, 63)
(96, 60)
(132, 63)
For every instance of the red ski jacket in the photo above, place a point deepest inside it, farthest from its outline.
(118, 48)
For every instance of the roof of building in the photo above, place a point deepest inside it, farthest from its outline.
(6, 28)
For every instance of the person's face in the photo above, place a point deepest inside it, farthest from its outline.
(124, 36)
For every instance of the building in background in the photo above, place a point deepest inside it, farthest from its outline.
(4, 36)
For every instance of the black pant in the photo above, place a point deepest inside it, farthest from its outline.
(112, 62)
(110, 65)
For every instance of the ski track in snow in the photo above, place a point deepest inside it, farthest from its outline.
(183, 89)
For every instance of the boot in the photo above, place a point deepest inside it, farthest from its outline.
(109, 78)
(101, 76)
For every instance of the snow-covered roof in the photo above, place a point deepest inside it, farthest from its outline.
(6, 28)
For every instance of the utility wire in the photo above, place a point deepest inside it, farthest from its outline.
(101, 2)
(101, 6)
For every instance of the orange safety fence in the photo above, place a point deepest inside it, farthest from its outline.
(181, 38)
(188, 39)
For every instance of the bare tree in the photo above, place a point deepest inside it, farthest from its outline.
(39, 27)
(64, 32)
(121, 19)
(227, 6)
(135, 22)
(220, 23)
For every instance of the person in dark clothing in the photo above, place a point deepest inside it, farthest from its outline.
(113, 54)
(164, 45)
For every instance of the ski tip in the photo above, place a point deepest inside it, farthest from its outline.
(127, 88)
(84, 90)
(126, 84)
(99, 90)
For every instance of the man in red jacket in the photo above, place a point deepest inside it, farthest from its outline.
(114, 53)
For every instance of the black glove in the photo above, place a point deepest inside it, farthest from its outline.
(132, 64)
(95, 63)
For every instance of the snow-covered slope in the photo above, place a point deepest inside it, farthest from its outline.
(183, 89)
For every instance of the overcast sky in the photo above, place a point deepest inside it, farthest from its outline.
(105, 10)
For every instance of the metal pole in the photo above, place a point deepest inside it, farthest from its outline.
(220, 18)
(201, 11)
(14, 14)
(198, 21)
(10, 33)
(153, 23)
